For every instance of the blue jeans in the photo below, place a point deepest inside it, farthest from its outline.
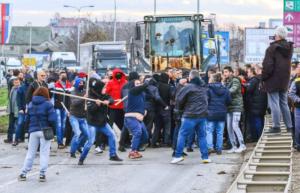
(138, 131)
(256, 125)
(60, 125)
(278, 103)
(11, 127)
(80, 131)
(297, 127)
(20, 126)
(106, 130)
(218, 127)
(189, 125)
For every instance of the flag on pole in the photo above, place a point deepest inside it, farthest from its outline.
(5, 27)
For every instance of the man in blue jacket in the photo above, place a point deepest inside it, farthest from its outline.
(192, 100)
(218, 99)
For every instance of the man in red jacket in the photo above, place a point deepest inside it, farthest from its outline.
(114, 88)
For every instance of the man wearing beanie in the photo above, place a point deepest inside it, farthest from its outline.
(276, 75)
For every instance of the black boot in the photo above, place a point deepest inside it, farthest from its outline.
(115, 158)
(274, 130)
(122, 149)
(73, 155)
(80, 162)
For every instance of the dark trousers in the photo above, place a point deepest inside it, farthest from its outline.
(11, 127)
(163, 122)
(149, 122)
(175, 135)
(124, 138)
(256, 126)
(116, 116)
(68, 132)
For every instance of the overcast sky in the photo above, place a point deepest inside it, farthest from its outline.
(241, 12)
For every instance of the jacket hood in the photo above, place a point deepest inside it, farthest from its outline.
(77, 82)
(96, 87)
(164, 78)
(117, 70)
(284, 47)
(37, 100)
(218, 88)
(197, 81)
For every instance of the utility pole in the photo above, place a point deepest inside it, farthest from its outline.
(155, 7)
(78, 9)
(198, 6)
(115, 21)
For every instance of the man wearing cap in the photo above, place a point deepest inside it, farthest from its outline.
(276, 76)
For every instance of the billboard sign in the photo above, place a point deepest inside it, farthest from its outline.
(256, 42)
(223, 37)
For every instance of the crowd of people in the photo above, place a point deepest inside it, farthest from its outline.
(220, 109)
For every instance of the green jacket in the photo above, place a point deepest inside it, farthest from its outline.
(235, 89)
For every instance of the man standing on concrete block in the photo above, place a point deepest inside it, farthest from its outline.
(276, 76)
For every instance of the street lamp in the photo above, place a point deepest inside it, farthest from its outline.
(78, 27)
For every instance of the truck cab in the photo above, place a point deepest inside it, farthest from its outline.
(174, 40)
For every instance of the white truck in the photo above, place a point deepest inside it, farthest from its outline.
(62, 60)
(103, 56)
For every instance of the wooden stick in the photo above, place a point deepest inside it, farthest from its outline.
(79, 97)
(65, 107)
(123, 99)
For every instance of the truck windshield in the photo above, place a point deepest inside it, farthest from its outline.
(110, 59)
(172, 36)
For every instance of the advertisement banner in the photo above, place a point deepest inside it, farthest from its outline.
(223, 37)
(256, 42)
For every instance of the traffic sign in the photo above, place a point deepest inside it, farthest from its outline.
(291, 5)
(29, 61)
(291, 18)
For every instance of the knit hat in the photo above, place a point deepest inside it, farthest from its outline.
(77, 82)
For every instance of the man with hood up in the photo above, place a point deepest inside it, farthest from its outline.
(114, 89)
(276, 76)
(77, 116)
(97, 120)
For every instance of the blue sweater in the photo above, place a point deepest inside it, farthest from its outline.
(218, 99)
(41, 113)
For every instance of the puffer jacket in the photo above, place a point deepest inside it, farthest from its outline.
(153, 98)
(218, 99)
(114, 88)
(192, 99)
(41, 114)
(256, 98)
(234, 86)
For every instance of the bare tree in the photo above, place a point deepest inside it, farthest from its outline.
(236, 42)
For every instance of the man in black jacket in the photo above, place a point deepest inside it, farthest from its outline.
(276, 77)
(192, 101)
(97, 120)
(40, 82)
(163, 120)
(257, 102)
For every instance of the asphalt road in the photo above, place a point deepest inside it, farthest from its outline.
(152, 174)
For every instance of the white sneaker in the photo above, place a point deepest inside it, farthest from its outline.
(206, 161)
(240, 149)
(232, 150)
(176, 160)
(98, 150)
